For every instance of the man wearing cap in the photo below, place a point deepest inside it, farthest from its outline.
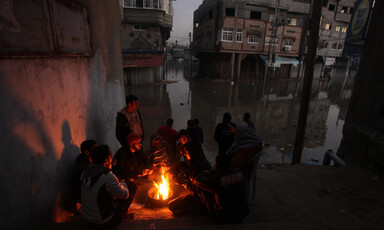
(130, 160)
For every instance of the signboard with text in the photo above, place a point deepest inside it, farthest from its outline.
(142, 59)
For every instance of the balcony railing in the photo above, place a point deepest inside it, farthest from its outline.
(165, 5)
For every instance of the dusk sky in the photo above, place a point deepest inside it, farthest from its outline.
(183, 20)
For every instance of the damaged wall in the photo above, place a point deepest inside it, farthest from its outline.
(363, 132)
(53, 98)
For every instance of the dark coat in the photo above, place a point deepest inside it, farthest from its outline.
(123, 128)
(128, 164)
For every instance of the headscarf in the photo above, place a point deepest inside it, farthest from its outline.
(245, 137)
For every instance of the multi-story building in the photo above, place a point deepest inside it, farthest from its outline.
(233, 38)
(335, 18)
(145, 28)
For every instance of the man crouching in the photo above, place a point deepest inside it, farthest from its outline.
(105, 200)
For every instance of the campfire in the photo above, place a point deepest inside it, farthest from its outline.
(160, 194)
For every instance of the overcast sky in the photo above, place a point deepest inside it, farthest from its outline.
(183, 20)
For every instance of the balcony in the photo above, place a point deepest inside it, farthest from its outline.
(147, 16)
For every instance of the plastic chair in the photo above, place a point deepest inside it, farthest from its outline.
(252, 178)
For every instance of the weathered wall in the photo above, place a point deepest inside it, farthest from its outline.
(363, 133)
(49, 106)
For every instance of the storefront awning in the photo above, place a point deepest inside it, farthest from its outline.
(281, 61)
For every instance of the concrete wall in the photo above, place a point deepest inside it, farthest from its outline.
(363, 132)
(49, 106)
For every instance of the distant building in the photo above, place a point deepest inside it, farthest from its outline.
(335, 18)
(232, 38)
(145, 28)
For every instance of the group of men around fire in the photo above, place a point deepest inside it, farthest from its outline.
(105, 184)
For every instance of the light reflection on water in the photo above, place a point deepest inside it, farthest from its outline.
(274, 112)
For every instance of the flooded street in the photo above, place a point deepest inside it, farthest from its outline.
(274, 108)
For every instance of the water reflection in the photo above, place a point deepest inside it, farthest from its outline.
(274, 109)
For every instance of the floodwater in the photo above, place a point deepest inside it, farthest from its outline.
(274, 108)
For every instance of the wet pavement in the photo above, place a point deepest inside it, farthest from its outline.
(287, 197)
(303, 196)
(274, 108)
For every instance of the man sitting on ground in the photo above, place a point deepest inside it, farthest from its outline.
(130, 160)
(105, 200)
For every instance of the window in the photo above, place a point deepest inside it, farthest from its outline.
(210, 14)
(139, 27)
(292, 21)
(253, 39)
(239, 35)
(227, 34)
(327, 26)
(269, 40)
(129, 3)
(344, 29)
(337, 29)
(344, 10)
(340, 47)
(331, 7)
(288, 42)
(334, 46)
(255, 15)
(139, 3)
(271, 17)
(323, 45)
(229, 11)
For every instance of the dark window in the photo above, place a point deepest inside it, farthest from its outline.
(331, 7)
(325, 3)
(210, 14)
(230, 12)
(344, 9)
(139, 3)
(255, 15)
(334, 46)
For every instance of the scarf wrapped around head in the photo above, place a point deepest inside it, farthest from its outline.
(245, 137)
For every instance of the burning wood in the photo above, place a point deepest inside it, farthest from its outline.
(163, 187)
(161, 192)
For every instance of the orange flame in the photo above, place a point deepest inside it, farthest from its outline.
(163, 187)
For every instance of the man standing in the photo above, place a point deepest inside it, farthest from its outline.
(169, 134)
(105, 200)
(192, 153)
(247, 119)
(128, 120)
(224, 133)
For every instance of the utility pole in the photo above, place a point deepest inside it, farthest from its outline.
(190, 53)
(307, 84)
(273, 39)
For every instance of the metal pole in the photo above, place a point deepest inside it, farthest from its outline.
(307, 84)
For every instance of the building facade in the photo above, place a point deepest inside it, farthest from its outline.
(61, 82)
(335, 18)
(145, 28)
(233, 38)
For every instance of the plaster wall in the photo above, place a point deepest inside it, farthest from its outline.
(49, 106)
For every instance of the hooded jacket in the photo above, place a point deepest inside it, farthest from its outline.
(99, 189)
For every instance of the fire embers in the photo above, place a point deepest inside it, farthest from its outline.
(161, 192)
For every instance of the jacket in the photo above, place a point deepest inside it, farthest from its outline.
(99, 189)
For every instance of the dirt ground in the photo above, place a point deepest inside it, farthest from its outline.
(288, 197)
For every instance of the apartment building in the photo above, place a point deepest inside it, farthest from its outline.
(146, 25)
(336, 15)
(232, 38)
